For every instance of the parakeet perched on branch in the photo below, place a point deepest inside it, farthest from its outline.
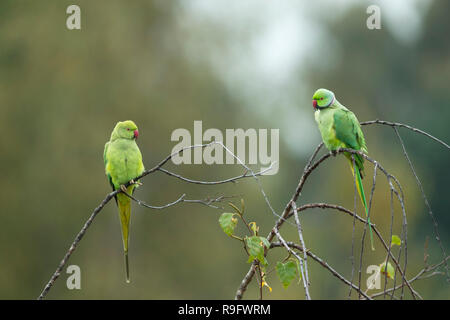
(340, 129)
(123, 162)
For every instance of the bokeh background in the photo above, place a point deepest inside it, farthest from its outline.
(231, 64)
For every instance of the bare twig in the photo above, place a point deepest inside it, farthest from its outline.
(352, 257)
(207, 202)
(365, 226)
(74, 245)
(430, 212)
(302, 242)
(401, 125)
(234, 179)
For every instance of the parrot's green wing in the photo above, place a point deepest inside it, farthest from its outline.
(105, 160)
(348, 130)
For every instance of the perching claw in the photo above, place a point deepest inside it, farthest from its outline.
(335, 152)
(138, 183)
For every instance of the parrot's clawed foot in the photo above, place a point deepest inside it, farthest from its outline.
(123, 188)
(334, 153)
(136, 182)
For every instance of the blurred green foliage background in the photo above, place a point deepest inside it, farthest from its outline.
(165, 64)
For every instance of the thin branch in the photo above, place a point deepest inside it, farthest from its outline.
(234, 179)
(352, 257)
(207, 202)
(313, 156)
(74, 245)
(143, 204)
(374, 180)
(401, 125)
(430, 212)
(302, 242)
(390, 238)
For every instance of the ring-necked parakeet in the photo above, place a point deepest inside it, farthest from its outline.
(123, 162)
(340, 129)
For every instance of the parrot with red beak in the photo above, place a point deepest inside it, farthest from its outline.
(340, 128)
(123, 163)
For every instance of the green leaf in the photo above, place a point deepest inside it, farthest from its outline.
(255, 247)
(390, 270)
(286, 272)
(396, 241)
(227, 222)
(265, 242)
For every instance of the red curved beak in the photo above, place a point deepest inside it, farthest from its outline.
(314, 104)
(136, 134)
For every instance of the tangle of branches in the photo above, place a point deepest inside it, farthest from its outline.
(291, 209)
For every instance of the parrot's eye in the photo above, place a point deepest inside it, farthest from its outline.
(128, 129)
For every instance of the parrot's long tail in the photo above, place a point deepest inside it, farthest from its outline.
(124, 204)
(359, 187)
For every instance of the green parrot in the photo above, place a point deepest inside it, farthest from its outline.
(340, 129)
(123, 163)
